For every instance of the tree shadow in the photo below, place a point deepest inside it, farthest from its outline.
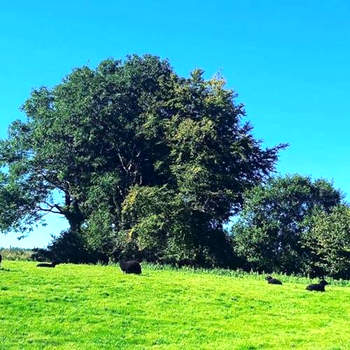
(5, 270)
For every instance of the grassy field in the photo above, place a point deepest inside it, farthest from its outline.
(97, 307)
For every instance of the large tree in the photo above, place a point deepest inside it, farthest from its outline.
(269, 230)
(89, 140)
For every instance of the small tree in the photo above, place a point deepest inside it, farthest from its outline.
(269, 229)
(328, 243)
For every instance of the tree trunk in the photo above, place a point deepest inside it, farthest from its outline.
(75, 217)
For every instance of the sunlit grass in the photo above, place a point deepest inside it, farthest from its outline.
(98, 307)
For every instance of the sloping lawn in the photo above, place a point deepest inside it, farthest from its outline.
(97, 307)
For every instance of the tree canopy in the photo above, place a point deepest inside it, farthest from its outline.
(93, 140)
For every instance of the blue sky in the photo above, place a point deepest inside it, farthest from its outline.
(287, 60)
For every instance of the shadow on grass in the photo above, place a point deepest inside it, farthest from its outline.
(5, 270)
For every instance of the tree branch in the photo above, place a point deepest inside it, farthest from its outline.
(48, 210)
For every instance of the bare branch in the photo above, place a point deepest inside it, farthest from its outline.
(48, 210)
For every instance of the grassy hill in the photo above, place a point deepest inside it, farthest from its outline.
(97, 307)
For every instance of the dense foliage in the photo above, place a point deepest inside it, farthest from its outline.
(270, 228)
(168, 230)
(97, 145)
(328, 243)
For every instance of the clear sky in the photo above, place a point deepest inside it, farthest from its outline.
(287, 59)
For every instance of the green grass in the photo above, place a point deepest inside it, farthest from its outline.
(97, 307)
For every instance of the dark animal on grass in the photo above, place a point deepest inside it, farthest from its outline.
(271, 280)
(53, 264)
(0, 259)
(131, 266)
(318, 287)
